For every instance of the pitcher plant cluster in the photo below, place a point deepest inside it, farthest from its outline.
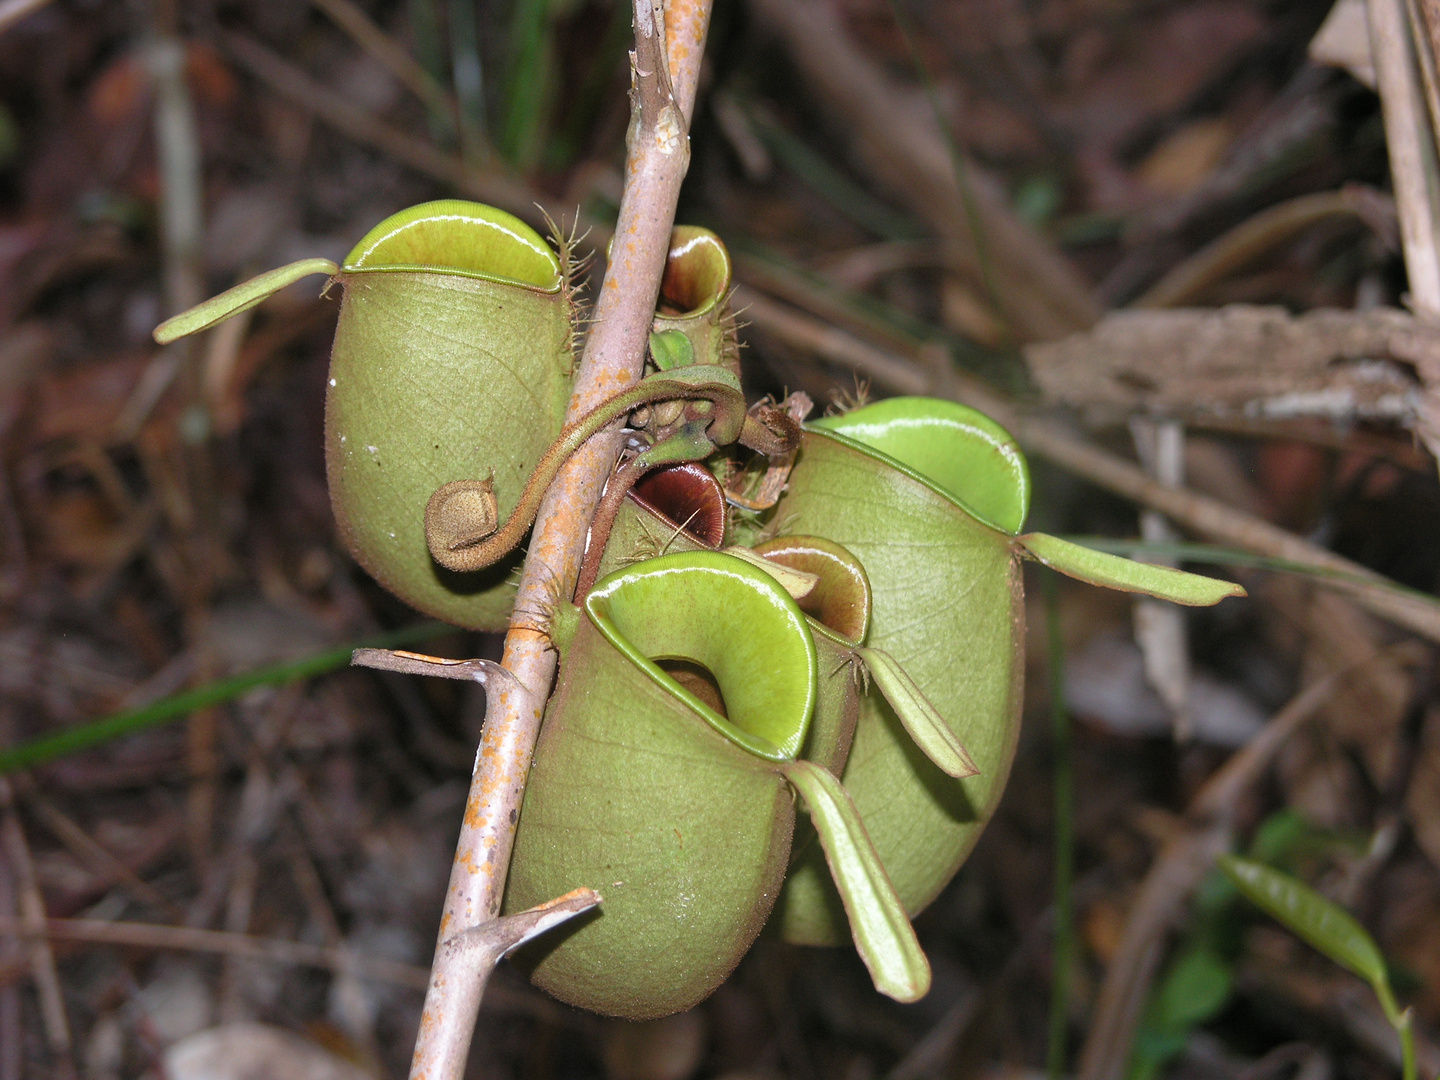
(790, 674)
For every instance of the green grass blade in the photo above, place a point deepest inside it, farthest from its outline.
(582, 108)
(983, 255)
(49, 747)
(1307, 914)
(240, 298)
(882, 931)
(424, 22)
(923, 723)
(528, 88)
(832, 185)
(1113, 572)
(1330, 929)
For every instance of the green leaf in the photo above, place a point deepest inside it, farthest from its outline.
(882, 931)
(240, 298)
(1194, 990)
(1326, 926)
(1113, 572)
(925, 725)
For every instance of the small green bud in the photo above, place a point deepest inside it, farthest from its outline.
(671, 349)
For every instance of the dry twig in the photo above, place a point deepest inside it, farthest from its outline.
(1414, 171)
(16, 852)
(669, 41)
(220, 942)
(1261, 233)
(362, 30)
(1342, 366)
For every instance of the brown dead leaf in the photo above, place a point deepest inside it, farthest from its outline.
(210, 77)
(119, 92)
(1103, 927)
(1183, 159)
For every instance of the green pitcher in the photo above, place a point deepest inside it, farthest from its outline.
(930, 496)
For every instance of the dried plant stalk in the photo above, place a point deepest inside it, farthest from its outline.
(665, 66)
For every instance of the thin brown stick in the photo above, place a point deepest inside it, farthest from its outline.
(363, 30)
(1400, 48)
(897, 374)
(16, 852)
(224, 943)
(669, 41)
(1253, 237)
(1053, 441)
(100, 860)
(1410, 142)
(905, 151)
(339, 112)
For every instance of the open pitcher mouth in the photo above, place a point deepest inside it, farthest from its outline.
(697, 273)
(688, 497)
(840, 600)
(710, 612)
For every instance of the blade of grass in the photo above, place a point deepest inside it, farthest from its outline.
(1064, 831)
(869, 316)
(50, 747)
(430, 53)
(528, 86)
(830, 183)
(367, 34)
(583, 107)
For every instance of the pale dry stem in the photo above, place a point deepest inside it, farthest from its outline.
(665, 68)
